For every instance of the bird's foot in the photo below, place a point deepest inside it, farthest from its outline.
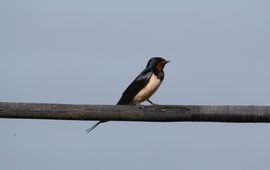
(154, 104)
(141, 106)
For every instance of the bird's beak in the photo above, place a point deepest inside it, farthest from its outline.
(167, 62)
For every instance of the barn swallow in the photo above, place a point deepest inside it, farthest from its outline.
(144, 85)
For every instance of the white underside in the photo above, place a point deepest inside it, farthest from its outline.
(148, 90)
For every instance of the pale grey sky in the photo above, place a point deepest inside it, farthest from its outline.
(87, 52)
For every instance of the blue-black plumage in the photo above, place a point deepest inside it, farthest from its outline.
(143, 86)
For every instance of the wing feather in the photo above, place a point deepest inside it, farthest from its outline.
(133, 89)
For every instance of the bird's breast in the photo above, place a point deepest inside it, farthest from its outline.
(148, 90)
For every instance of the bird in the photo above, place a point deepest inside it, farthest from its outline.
(143, 86)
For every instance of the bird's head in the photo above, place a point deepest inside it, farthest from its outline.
(157, 63)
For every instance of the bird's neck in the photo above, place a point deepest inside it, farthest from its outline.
(159, 74)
